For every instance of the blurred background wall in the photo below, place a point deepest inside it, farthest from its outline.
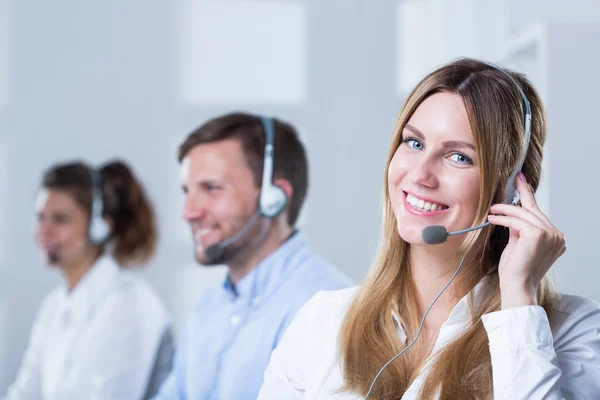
(98, 80)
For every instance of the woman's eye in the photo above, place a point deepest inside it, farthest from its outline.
(460, 158)
(414, 143)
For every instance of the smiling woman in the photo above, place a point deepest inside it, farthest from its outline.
(433, 177)
(499, 331)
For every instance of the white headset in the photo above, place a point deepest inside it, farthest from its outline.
(272, 198)
(98, 231)
(511, 194)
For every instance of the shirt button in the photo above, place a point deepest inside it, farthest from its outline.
(234, 320)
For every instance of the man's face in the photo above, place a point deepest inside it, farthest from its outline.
(221, 196)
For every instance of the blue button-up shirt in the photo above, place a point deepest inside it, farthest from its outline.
(234, 329)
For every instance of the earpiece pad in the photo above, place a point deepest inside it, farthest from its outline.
(272, 201)
(99, 230)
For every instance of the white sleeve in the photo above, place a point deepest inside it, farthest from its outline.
(28, 384)
(528, 362)
(287, 374)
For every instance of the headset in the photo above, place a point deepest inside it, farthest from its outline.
(98, 231)
(437, 234)
(272, 200)
(272, 197)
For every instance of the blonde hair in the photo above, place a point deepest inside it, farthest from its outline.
(369, 338)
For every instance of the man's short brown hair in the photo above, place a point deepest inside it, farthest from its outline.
(289, 161)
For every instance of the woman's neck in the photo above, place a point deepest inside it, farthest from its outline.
(74, 272)
(431, 270)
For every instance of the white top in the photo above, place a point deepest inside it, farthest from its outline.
(97, 342)
(529, 360)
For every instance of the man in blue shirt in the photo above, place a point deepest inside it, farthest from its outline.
(245, 179)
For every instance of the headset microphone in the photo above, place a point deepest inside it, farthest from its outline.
(57, 257)
(215, 251)
(437, 234)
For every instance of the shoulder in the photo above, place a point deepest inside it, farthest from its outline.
(49, 304)
(135, 299)
(204, 308)
(573, 315)
(212, 297)
(325, 311)
(135, 286)
(573, 304)
(319, 319)
(308, 348)
(335, 299)
(51, 298)
(575, 324)
(316, 274)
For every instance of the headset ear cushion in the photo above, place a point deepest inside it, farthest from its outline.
(273, 201)
(99, 230)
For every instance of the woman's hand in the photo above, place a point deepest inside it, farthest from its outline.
(534, 245)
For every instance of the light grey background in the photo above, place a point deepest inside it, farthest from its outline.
(130, 79)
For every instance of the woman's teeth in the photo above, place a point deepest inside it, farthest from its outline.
(423, 205)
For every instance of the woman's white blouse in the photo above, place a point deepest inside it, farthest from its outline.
(530, 358)
(97, 342)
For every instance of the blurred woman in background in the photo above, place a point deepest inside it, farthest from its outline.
(104, 333)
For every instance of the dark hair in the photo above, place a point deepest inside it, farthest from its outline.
(125, 203)
(289, 162)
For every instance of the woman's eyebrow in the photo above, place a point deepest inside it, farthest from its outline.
(414, 130)
(449, 143)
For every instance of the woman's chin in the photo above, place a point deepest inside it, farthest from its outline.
(412, 236)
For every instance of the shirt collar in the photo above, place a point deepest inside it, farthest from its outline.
(460, 314)
(80, 302)
(267, 275)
